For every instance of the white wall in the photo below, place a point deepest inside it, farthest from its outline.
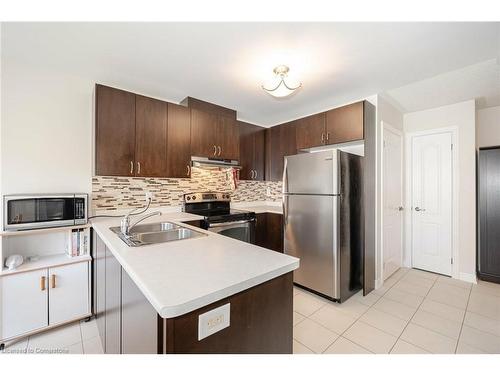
(488, 127)
(46, 131)
(462, 116)
(388, 114)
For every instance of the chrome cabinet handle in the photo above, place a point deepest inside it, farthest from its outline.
(322, 137)
(215, 150)
(138, 168)
(131, 167)
(220, 150)
(188, 170)
(327, 136)
(255, 173)
(419, 209)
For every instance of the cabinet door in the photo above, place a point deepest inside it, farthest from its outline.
(150, 137)
(113, 305)
(179, 141)
(228, 138)
(204, 127)
(275, 231)
(345, 124)
(139, 320)
(100, 286)
(68, 292)
(24, 303)
(280, 142)
(310, 131)
(259, 154)
(115, 132)
(247, 149)
(269, 231)
(261, 230)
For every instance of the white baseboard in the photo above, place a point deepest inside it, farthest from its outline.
(469, 277)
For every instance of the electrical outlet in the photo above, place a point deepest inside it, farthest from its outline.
(149, 195)
(213, 321)
(268, 192)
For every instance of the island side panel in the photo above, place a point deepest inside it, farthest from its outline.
(261, 322)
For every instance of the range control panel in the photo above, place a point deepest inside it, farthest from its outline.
(207, 197)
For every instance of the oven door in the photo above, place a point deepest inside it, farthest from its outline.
(29, 212)
(243, 230)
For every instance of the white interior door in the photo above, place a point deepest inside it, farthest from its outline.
(432, 197)
(392, 238)
(68, 292)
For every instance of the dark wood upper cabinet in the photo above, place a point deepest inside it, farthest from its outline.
(228, 145)
(260, 154)
(345, 124)
(115, 132)
(311, 131)
(150, 137)
(204, 127)
(179, 141)
(214, 135)
(252, 151)
(280, 142)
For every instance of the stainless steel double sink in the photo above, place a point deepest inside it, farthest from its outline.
(148, 234)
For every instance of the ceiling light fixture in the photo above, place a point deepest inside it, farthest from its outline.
(278, 86)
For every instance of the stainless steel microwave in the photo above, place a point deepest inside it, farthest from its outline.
(22, 212)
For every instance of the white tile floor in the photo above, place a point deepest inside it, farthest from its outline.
(76, 338)
(414, 312)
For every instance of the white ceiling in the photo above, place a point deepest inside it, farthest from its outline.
(479, 81)
(225, 63)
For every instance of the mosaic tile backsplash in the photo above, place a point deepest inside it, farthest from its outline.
(114, 193)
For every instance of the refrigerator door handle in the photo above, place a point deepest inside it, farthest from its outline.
(285, 177)
(285, 210)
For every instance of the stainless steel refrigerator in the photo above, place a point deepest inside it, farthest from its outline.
(323, 221)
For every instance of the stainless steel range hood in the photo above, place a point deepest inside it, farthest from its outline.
(210, 163)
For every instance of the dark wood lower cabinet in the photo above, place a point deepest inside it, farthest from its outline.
(269, 231)
(261, 322)
(112, 313)
(139, 325)
(261, 318)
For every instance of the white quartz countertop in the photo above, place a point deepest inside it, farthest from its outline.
(181, 276)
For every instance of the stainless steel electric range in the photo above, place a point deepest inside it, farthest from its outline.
(219, 217)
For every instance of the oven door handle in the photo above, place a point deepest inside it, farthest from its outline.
(230, 223)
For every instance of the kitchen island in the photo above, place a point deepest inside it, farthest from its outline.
(179, 296)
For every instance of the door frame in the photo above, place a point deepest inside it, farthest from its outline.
(391, 128)
(408, 250)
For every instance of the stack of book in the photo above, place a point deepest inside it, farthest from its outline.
(78, 243)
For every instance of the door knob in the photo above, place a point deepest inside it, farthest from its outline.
(400, 208)
(419, 209)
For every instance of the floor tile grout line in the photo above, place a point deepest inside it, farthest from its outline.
(81, 336)
(301, 343)
(358, 319)
(463, 320)
(399, 337)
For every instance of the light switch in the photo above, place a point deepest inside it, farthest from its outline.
(213, 321)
